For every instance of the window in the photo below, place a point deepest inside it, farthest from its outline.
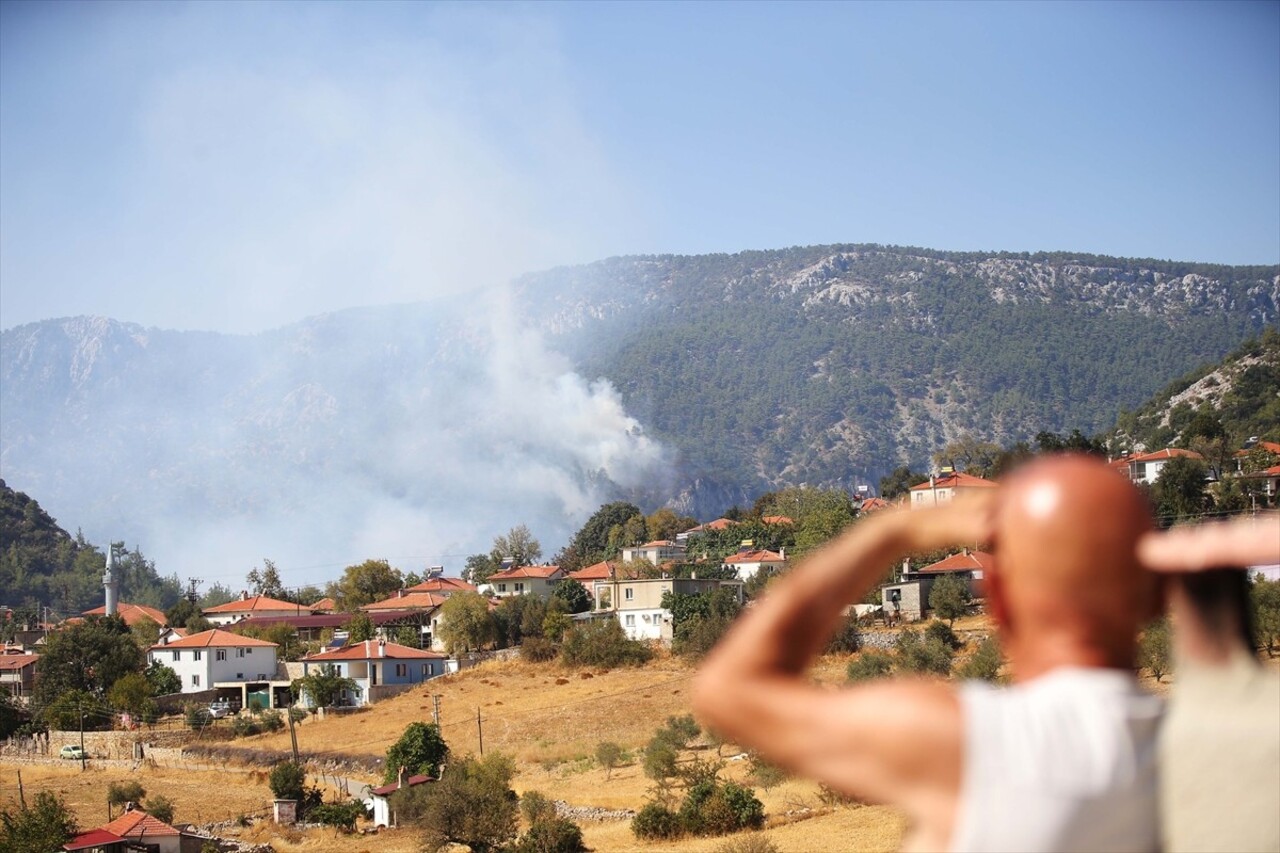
(195, 681)
(239, 676)
(502, 587)
(426, 669)
(402, 669)
(177, 655)
(195, 655)
(631, 620)
(220, 654)
(239, 653)
(628, 594)
(519, 588)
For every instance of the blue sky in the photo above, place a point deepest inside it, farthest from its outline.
(237, 166)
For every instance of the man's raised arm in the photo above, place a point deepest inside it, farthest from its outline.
(866, 740)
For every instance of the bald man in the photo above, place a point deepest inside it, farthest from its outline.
(1063, 760)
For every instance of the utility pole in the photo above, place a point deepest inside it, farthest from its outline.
(80, 707)
(435, 714)
(480, 730)
(293, 735)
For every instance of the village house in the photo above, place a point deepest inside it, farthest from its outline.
(944, 489)
(379, 668)
(657, 552)
(908, 597)
(749, 563)
(18, 673)
(379, 800)
(637, 602)
(524, 580)
(442, 586)
(1144, 468)
(132, 614)
(96, 841)
(710, 527)
(324, 605)
(248, 606)
(145, 832)
(242, 670)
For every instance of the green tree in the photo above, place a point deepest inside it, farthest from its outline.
(1179, 490)
(88, 656)
(479, 567)
(420, 750)
(472, 804)
(132, 693)
(949, 597)
(119, 793)
(1155, 653)
(602, 643)
(288, 781)
(160, 807)
(266, 581)
(46, 825)
(573, 595)
(359, 628)
(162, 679)
(518, 546)
(67, 711)
(465, 623)
(591, 542)
(146, 633)
(323, 686)
(1264, 600)
(664, 523)
(608, 756)
(897, 482)
(928, 655)
(365, 583)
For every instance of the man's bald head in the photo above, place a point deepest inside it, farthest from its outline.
(1067, 529)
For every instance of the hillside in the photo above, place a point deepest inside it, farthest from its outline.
(1242, 391)
(420, 431)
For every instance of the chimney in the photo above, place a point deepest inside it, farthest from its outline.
(110, 584)
(906, 566)
(400, 592)
(402, 776)
(382, 648)
(244, 595)
(782, 553)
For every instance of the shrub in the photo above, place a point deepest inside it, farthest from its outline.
(659, 759)
(341, 815)
(271, 721)
(420, 749)
(602, 643)
(46, 825)
(297, 714)
(655, 822)
(846, 640)
(198, 717)
(985, 663)
(942, 632)
(869, 665)
(756, 842)
(1154, 652)
(287, 781)
(554, 835)
(472, 804)
(763, 774)
(535, 807)
(538, 649)
(682, 730)
(926, 656)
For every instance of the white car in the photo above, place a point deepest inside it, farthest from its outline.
(220, 709)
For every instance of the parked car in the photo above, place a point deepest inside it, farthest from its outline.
(72, 751)
(220, 709)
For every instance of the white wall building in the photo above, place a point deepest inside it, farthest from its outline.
(216, 656)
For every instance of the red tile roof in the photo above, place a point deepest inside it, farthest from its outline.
(873, 504)
(137, 823)
(755, 557)
(254, 603)
(658, 543)
(958, 480)
(132, 613)
(545, 572)
(215, 637)
(395, 786)
(973, 561)
(11, 661)
(92, 838)
(404, 600)
(1269, 446)
(778, 519)
(324, 605)
(1160, 455)
(718, 524)
(597, 572)
(442, 585)
(368, 650)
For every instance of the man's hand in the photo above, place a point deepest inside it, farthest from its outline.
(1194, 548)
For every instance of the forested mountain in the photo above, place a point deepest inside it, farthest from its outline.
(43, 565)
(1242, 392)
(426, 429)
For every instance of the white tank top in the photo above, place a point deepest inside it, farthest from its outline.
(1066, 762)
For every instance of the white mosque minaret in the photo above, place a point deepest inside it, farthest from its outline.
(109, 581)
